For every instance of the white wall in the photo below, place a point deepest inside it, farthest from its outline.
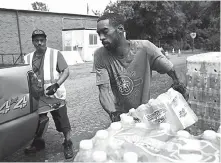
(66, 38)
(72, 57)
(89, 49)
(73, 38)
(80, 38)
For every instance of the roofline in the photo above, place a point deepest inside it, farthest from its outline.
(83, 28)
(48, 12)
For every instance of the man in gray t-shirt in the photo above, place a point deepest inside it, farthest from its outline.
(125, 67)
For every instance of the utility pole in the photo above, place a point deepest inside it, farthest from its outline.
(87, 9)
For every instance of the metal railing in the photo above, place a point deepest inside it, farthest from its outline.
(11, 59)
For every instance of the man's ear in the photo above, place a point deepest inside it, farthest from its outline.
(120, 28)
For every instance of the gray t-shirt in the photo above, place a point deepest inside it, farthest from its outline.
(130, 77)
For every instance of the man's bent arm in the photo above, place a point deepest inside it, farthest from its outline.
(64, 76)
(105, 98)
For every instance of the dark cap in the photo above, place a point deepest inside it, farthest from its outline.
(38, 32)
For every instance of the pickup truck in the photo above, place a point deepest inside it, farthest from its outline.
(18, 108)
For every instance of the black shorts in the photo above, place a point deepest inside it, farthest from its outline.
(61, 119)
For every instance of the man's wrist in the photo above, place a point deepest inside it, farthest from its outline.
(57, 85)
(176, 81)
(173, 75)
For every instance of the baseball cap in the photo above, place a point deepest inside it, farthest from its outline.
(38, 32)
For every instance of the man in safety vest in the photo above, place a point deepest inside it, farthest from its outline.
(51, 70)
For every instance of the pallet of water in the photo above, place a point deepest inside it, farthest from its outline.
(130, 142)
(203, 85)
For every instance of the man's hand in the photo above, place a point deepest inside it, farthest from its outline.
(52, 89)
(180, 87)
(115, 116)
(177, 85)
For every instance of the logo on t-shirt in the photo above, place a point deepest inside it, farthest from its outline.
(125, 85)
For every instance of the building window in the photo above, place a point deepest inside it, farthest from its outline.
(92, 39)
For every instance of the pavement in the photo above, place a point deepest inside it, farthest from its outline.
(85, 114)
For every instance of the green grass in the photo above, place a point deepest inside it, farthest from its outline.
(188, 52)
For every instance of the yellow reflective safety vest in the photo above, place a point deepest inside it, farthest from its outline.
(51, 75)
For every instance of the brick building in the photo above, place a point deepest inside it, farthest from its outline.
(17, 26)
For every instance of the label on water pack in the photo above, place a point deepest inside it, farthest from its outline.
(158, 116)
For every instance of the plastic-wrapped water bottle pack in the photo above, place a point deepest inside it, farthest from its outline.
(127, 141)
(153, 132)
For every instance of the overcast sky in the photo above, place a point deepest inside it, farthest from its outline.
(65, 6)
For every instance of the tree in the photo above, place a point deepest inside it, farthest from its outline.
(169, 23)
(39, 6)
(149, 19)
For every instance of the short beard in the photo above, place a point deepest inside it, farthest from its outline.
(41, 49)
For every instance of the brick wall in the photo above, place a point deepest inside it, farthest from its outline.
(51, 23)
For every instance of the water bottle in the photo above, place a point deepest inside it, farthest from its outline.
(213, 81)
(205, 83)
(101, 140)
(217, 82)
(127, 122)
(85, 151)
(200, 95)
(99, 156)
(190, 94)
(210, 95)
(115, 149)
(208, 81)
(114, 143)
(216, 98)
(132, 113)
(122, 116)
(189, 80)
(183, 133)
(195, 78)
(130, 157)
(209, 135)
(195, 94)
(114, 128)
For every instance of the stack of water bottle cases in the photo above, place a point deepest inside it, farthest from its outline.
(142, 136)
(203, 83)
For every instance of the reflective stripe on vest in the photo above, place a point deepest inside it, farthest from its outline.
(28, 58)
(50, 65)
(50, 73)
